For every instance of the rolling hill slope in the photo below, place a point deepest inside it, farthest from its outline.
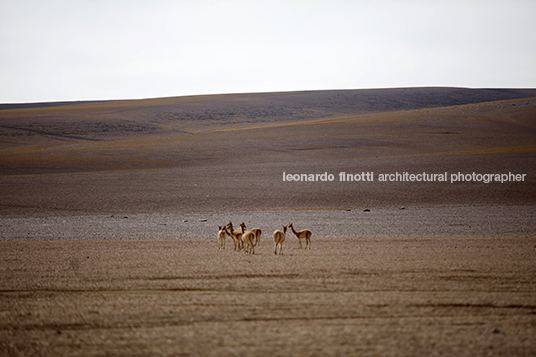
(230, 151)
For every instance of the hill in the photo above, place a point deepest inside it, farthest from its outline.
(234, 146)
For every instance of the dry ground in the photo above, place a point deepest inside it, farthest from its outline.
(463, 296)
(108, 216)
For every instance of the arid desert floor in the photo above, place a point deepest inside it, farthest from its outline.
(459, 295)
(109, 214)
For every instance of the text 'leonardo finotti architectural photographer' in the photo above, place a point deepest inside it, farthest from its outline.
(407, 177)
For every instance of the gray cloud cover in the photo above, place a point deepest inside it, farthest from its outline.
(114, 49)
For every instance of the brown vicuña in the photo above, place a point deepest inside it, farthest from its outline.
(279, 238)
(248, 239)
(236, 235)
(222, 233)
(303, 234)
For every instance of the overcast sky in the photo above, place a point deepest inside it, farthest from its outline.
(58, 50)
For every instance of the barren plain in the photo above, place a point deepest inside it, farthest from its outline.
(109, 214)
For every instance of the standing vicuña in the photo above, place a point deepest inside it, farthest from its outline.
(304, 233)
(279, 238)
(221, 237)
(256, 231)
(236, 235)
(248, 239)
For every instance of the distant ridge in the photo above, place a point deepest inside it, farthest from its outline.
(289, 129)
(46, 104)
(335, 101)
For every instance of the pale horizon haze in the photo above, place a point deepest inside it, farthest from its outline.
(59, 50)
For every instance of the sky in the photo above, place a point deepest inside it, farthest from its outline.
(64, 50)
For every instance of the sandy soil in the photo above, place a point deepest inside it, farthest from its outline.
(109, 213)
(385, 296)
